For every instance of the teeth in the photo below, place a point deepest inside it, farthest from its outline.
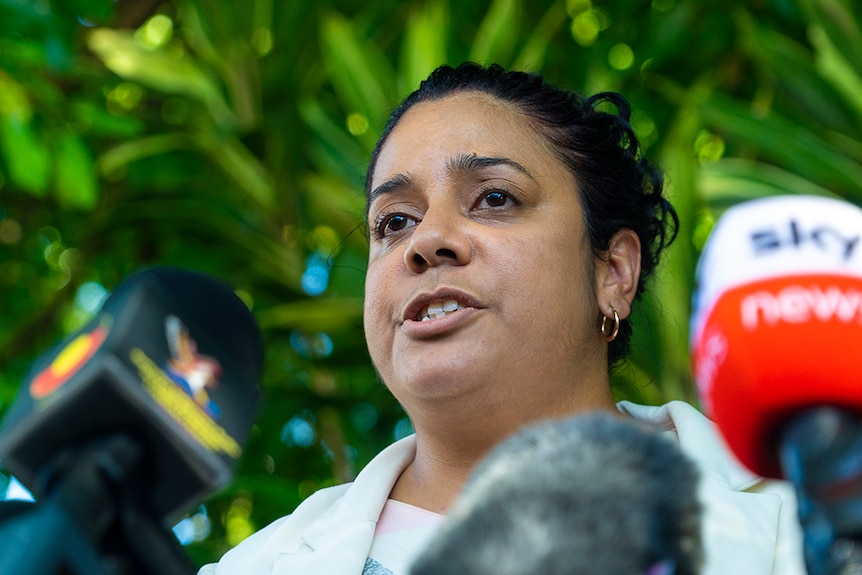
(438, 309)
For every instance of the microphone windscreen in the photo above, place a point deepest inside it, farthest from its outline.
(173, 359)
(593, 493)
(777, 322)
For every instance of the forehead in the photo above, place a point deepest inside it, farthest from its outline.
(464, 123)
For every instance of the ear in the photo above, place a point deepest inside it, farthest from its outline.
(617, 273)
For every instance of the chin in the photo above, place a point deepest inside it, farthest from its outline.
(435, 383)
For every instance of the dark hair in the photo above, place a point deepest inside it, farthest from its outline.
(618, 187)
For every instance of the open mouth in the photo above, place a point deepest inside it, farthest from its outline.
(436, 310)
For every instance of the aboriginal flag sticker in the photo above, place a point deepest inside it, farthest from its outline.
(69, 361)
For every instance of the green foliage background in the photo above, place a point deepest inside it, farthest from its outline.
(232, 138)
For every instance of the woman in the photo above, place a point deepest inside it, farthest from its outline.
(512, 226)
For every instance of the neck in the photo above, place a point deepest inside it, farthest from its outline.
(452, 436)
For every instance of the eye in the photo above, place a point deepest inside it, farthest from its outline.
(389, 223)
(495, 198)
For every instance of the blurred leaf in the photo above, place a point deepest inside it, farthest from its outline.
(840, 26)
(230, 54)
(251, 246)
(838, 71)
(335, 150)
(198, 35)
(733, 180)
(788, 143)
(24, 56)
(361, 76)
(124, 154)
(95, 120)
(28, 159)
(14, 102)
(229, 154)
(532, 56)
(792, 67)
(851, 147)
(333, 201)
(168, 70)
(243, 167)
(76, 182)
(424, 45)
(495, 40)
(328, 314)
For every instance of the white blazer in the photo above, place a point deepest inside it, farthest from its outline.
(750, 525)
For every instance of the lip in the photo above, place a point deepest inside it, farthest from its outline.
(412, 324)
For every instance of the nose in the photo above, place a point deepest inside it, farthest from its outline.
(438, 240)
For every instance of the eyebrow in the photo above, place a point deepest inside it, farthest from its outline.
(474, 163)
(393, 184)
(462, 163)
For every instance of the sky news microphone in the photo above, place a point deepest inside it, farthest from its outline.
(776, 345)
(151, 400)
(589, 494)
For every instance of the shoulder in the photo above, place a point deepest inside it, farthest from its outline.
(256, 554)
(750, 524)
(341, 517)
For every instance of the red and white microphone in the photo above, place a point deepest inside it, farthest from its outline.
(777, 344)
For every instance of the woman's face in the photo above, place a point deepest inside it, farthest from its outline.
(481, 282)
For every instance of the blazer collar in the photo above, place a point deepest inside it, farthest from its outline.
(699, 439)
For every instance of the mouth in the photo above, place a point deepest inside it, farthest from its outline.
(438, 305)
(439, 309)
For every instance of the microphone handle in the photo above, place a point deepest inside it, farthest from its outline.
(44, 539)
(821, 455)
(86, 493)
(154, 547)
(62, 532)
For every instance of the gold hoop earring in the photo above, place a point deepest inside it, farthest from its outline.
(609, 337)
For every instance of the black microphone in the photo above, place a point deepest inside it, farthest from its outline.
(588, 494)
(147, 407)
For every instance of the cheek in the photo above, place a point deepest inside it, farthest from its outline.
(375, 336)
(378, 310)
(552, 279)
(372, 303)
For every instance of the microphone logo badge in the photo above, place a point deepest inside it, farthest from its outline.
(823, 237)
(71, 358)
(180, 388)
(192, 372)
